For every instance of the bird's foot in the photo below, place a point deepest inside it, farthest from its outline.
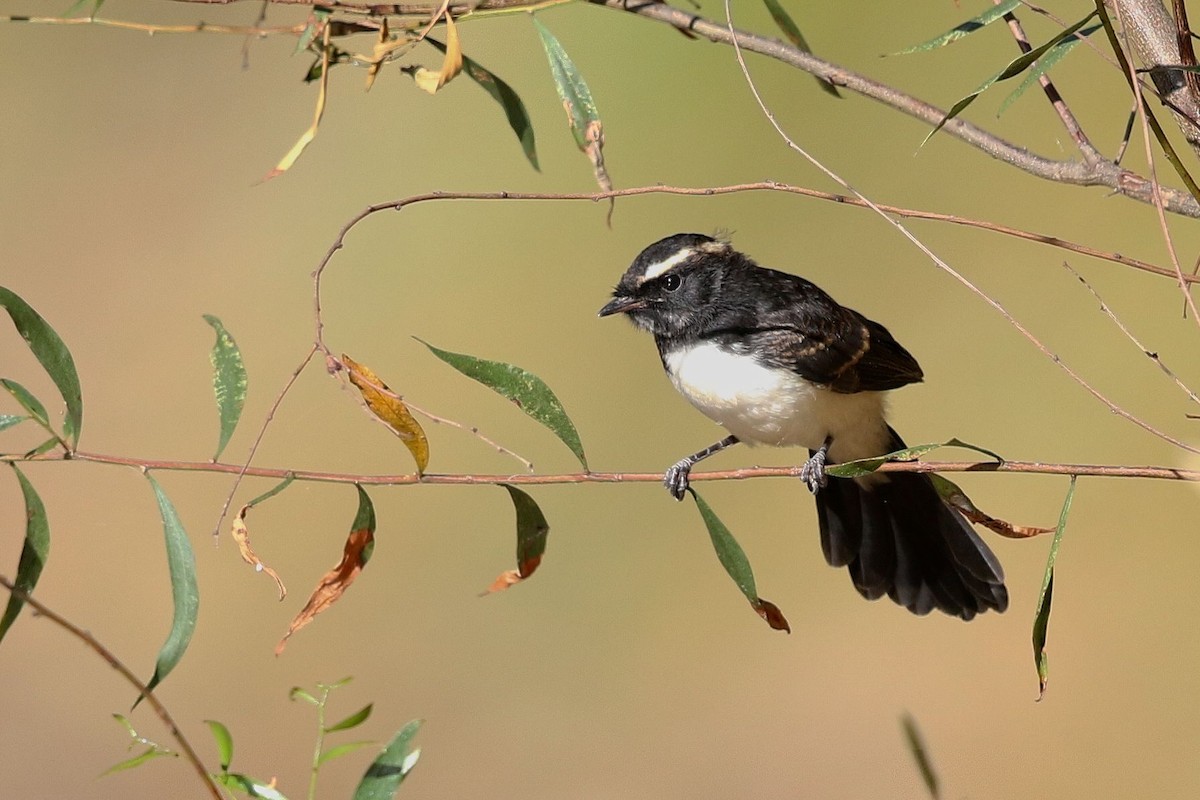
(813, 471)
(676, 478)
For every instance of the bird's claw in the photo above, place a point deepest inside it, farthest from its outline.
(813, 472)
(676, 479)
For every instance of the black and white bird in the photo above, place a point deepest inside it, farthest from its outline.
(777, 361)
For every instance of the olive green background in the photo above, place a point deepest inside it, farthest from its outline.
(629, 666)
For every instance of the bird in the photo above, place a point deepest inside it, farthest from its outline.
(775, 360)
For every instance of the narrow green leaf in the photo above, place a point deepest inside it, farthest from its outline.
(229, 381)
(224, 740)
(44, 447)
(315, 22)
(34, 551)
(582, 114)
(54, 357)
(341, 750)
(865, 466)
(352, 721)
(343, 681)
(267, 495)
(529, 392)
(507, 97)
(1015, 67)
(301, 694)
(1041, 619)
(78, 4)
(792, 32)
(185, 594)
(916, 746)
(734, 560)
(970, 26)
(37, 411)
(129, 763)
(1043, 65)
(391, 767)
(9, 420)
(251, 787)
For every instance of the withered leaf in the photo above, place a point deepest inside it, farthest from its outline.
(452, 62)
(956, 497)
(241, 535)
(532, 533)
(387, 406)
(357, 552)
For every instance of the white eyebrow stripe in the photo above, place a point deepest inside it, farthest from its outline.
(659, 267)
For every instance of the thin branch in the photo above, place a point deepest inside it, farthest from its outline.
(1153, 356)
(489, 479)
(116, 663)
(473, 430)
(1103, 173)
(1086, 148)
(152, 29)
(287, 387)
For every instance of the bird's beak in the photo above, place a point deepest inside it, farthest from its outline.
(622, 304)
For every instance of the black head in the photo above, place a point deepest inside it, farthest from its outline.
(672, 283)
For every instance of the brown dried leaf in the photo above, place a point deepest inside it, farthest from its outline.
(382, 48)
(957, 498)
(771, 613)
(387, 406)
(335, 582)
(512, 577)
(241, 535)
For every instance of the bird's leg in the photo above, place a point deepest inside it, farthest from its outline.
(813, 471)
(676, 478)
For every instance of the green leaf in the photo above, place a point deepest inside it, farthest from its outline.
(916, 746)
(792, 32)
(9, 420)
(865, 466)
(34, 551)
(341, 750)
(129, 763)
(970, 26)
(78, 4)
(734, 560)
(37, 411)
(1041, 619)
(529, 392)
(352, 721)
(301, 694)
(1015, 67)
(507, 97)
(229, 381)
(582, 115)
(279, 487)
(54, 357)
(391, 767)
(224, 740)
(44, 447)
(238, 782)
(316, 21)
(185, 594)
(1043, 65)
(364, 520)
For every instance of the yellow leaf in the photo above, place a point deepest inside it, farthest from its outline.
(306, 138)
(387, 406)
(241, 535)
(452, 62)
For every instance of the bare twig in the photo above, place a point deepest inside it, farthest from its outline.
(116, 663)
(1152, 355)
(150, 28)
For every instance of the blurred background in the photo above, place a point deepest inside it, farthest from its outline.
(629, 666)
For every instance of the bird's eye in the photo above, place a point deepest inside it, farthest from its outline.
(672, 282)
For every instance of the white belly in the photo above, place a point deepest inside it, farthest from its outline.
(759, 404)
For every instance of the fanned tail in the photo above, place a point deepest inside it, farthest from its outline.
(898, 537)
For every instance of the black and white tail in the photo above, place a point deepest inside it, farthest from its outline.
(898, 537)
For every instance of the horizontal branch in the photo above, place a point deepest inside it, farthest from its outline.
(459, 479)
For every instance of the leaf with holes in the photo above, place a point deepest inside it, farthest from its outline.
(526, 390)
(229, 381)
